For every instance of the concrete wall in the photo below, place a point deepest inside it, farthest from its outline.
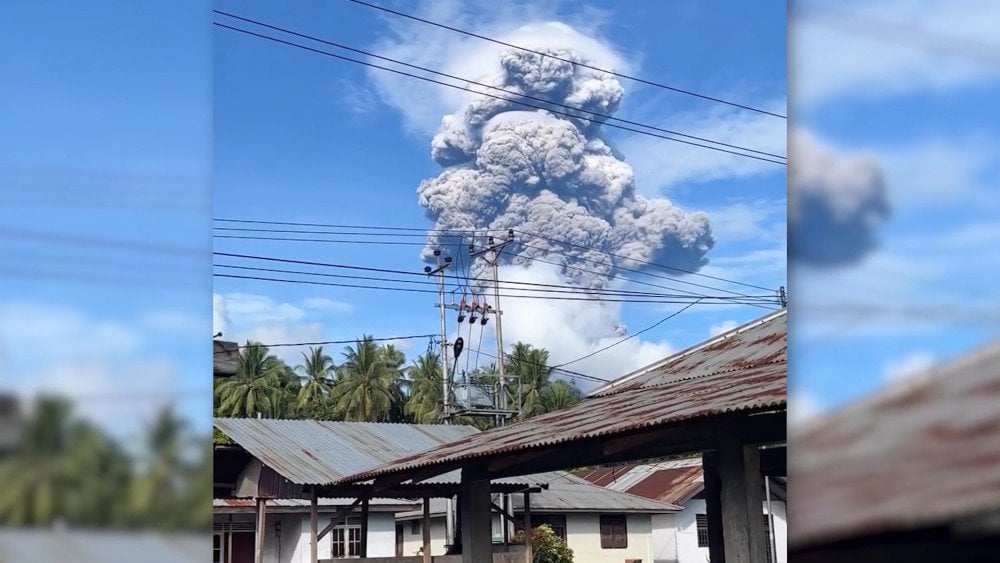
(664, 538)
(583, 536)
(413, 542)
(686, 532)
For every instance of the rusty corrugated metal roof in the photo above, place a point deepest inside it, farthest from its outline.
(754, 344)
(673, 482)
(922, 453)
(758, 383)
(315, 452)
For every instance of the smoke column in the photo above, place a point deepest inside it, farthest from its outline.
(509, 167)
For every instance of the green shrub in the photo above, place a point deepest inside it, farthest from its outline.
(546, 546)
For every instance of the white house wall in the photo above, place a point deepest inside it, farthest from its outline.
(685, 530)
(413, 542)
(583, 536)
(664, 538)
(292, 544)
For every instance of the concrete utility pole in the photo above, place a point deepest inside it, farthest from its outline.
(492, 256)
(445, 379)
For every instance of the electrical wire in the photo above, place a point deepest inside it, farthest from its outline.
(518, 102)
(629, 337)
(492, 87)
(576, 63)
(326, 342)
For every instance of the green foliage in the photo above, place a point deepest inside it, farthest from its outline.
(546, 546)
(261, 385)
(423, 406)
(66, 469)
(367, 387)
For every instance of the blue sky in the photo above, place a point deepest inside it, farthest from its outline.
(307, 138)
(921, 110)
(107, 136)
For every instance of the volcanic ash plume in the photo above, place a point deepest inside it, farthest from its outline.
(836, 203)
(551, 176)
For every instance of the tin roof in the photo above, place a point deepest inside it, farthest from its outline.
(317, 452)
(566, 492)
(757, 383)
(922, 453)
(674, 482)
(223, 505)
(92, 546)
(755, 344)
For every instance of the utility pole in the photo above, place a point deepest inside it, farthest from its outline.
(492, 256)
(442, 265)
(782, 297)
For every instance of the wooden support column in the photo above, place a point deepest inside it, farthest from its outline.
(476, 518)
(713, 506)
(313, 526)
(364, 528)
(742, 502)
(425, 530)
(528, 556)
(258, 552)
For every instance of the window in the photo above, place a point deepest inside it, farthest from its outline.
(555, 521)
(702, 521)
(614, 533)
(346, 542)
(414, 527)
(216, 548)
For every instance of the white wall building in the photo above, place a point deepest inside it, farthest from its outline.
(682, 537)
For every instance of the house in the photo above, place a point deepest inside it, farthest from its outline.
(682, 537)
(600, 525)
(910, 473)
(273, 468)
(287, 528)
(225, 357)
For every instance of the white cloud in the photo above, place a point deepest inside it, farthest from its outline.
(758, 220)
(934, 172)
(912, 364)
(423, 104)
(173, 321)
(853, 57)
(62, 332)
(660, 164)
(802, 408)
(247, 316)
(724, 326)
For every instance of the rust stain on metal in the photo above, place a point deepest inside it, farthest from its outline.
(726, 375)
(922, 453)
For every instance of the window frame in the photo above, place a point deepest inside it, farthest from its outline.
(613, 531)
(701, 528)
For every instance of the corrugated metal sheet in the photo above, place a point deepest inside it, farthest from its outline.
(673, 482)
(54, 546)
(922, 453)
(314, 452)
(748, 385)
(569, 493)
(294, 503)
(753, 345)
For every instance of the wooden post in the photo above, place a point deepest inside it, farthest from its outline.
(364, 527)
(258, 553)
(713, 506)
(528, 556)
(313, 526)
(425, 530)
(476, 518)
(742, 502)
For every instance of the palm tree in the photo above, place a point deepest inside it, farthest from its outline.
(530, 365)
(367, 383)
(424, 403)
(259, 385)
(317, 370)
(155, 496)
(559, 395)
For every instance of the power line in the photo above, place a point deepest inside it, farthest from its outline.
(567, 371)
(415, 290)
(584, 65)
(326, 342)
(490, 86)
(107, 243)
(547, 288)
(521, 103)
(631, 336)
(417, 232)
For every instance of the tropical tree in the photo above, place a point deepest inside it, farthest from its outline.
(317, 370)
(156, 492)
(367, 387)
(423, 406)
(530, 365)
(261, 384)
(62, 468)
(559, 395)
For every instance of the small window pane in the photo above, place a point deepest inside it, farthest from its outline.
(702, 521)
(614, 532)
